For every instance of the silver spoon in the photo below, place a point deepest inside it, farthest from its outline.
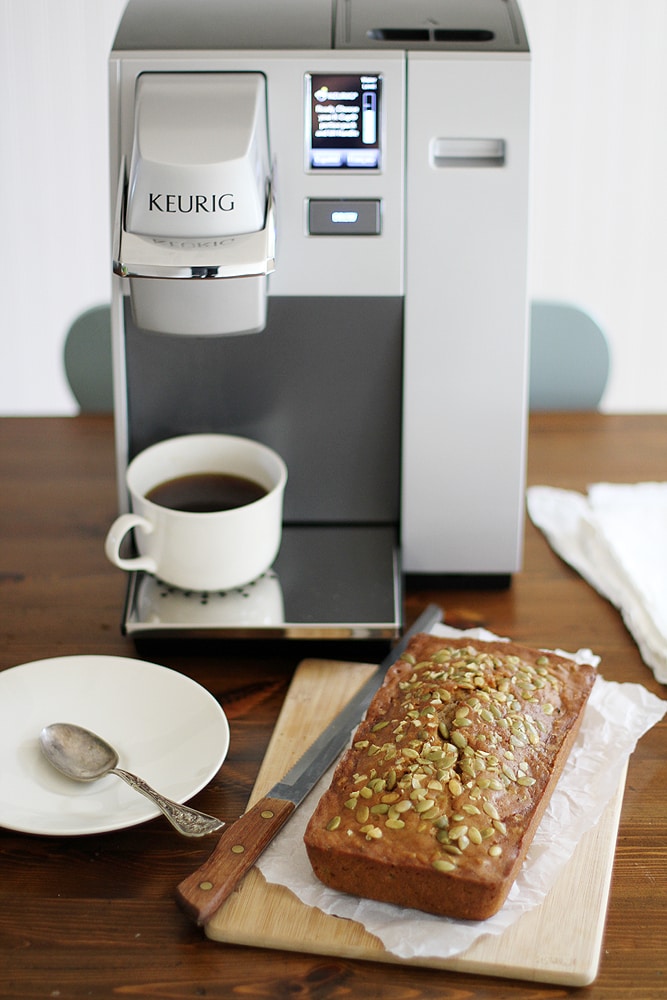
(84, 756)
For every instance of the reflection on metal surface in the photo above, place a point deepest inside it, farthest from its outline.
(328, 582)
(257, 605)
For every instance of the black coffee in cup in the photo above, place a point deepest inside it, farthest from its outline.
(206, 492)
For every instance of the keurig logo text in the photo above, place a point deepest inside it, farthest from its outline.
(195, 203)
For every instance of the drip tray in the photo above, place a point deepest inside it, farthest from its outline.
(333, 582)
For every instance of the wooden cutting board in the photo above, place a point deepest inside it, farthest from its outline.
(558, 942)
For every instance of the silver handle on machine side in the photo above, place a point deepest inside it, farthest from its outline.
(467, 152)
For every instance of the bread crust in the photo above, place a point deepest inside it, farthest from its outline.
(436, 802)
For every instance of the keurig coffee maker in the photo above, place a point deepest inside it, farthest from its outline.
(320, 242)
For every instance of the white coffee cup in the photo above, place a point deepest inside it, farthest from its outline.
(213, 550)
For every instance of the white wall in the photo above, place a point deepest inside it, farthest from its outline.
(599, 205)
(599, 169)
(54, 244)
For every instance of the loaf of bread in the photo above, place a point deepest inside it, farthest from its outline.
(436, 802)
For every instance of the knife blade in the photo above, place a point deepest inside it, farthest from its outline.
(202, 893)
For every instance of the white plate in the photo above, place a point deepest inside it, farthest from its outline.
(166, 728)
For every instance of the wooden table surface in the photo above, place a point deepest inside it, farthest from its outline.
(96, 917)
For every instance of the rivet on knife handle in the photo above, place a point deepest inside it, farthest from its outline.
(203, 892)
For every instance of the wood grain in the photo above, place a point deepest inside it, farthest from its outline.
(96, 916)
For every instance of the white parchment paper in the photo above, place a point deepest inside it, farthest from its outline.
(616, 716)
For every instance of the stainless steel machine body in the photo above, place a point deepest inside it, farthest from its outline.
(320, 241)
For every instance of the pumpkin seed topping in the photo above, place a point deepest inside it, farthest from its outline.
(468, 731)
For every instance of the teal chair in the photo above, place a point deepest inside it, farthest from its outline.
(87, 359)
(569, 362)
(569, 358)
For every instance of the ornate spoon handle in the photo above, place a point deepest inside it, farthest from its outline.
(189, 822)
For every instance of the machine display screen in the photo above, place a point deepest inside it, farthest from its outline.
(343, 121)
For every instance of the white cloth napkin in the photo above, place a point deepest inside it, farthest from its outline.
(588, 782)
(616, 538)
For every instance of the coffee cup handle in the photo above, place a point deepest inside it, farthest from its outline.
(117, 532)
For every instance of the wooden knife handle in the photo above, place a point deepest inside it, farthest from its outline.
(203, 892)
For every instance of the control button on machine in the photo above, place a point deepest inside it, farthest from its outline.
(344, 217)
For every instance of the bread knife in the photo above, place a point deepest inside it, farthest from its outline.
(202, 893)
